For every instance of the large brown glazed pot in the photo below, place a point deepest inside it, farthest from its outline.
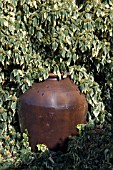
(50, 111)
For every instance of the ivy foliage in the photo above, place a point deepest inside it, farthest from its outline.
(38, 37)
(93, 149)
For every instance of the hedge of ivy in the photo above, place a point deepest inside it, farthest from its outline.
(38, 37)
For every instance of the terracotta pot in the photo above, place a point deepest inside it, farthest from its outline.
(50, 110)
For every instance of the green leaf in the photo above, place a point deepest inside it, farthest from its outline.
(54, 46)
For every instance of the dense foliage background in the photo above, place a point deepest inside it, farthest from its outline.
(38, 37)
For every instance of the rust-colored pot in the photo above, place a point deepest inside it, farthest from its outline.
(50, 111)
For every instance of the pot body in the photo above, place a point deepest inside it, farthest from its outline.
(50, 111)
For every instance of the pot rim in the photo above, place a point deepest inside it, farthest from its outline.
(55, 75)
